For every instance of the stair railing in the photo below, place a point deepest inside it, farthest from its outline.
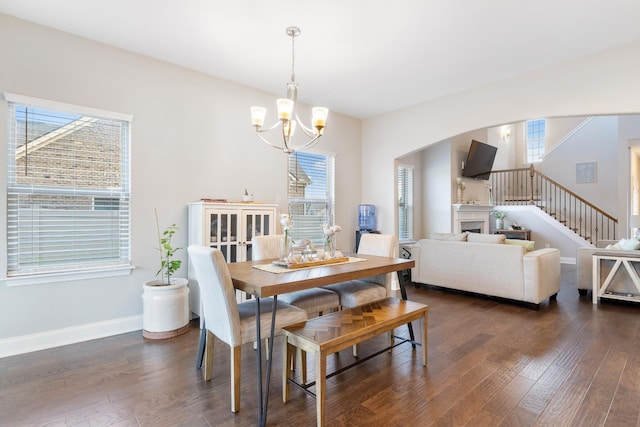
(527, 186)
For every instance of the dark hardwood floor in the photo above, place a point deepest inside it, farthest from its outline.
(491, 363)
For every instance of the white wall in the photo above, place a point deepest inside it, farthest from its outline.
(604, 83)
(191, 138)
(437, 165)
(595, 142)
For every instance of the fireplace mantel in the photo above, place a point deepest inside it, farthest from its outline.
(468, 217)
(470, 207)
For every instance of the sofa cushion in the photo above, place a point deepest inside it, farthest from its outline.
(486, 238)
(528, 245)
(452, 237)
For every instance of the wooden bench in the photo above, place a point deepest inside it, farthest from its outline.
(333, 332)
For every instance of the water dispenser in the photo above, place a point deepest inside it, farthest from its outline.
(366, 217)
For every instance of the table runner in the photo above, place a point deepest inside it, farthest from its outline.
(277, 269)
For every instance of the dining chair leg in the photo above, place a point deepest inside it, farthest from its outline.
(235, 379)
(208, 356)
(266, 348)
(303, 366)
(203, 340)
(302, 355)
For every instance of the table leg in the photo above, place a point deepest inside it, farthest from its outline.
(595, 279)
(259, 360)
(403, 292)
(263, 420)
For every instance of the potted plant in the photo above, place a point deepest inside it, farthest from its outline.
(166, 300)
(246, 197)
(499, 216)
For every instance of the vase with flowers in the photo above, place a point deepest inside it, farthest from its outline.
(499, 216)
(330, 235)
(285, 246)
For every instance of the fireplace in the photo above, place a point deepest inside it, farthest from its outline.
(472, 226)
(471, 218)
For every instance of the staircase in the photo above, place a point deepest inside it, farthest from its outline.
(526, 186)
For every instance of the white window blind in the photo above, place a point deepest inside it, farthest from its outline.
(536, 134)
(68, 199)
(405, 203)
(311, 195)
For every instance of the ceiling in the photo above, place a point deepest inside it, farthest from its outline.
(357, 57)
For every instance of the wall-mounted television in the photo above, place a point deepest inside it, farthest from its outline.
(479, 160)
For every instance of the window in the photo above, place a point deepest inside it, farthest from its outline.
(405, 203)
(311, 195)
(67, 189)
(536, 133)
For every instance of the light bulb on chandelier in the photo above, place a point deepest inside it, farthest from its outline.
(287, 117)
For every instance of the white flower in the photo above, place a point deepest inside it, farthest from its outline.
(286, 222)
(330, 230)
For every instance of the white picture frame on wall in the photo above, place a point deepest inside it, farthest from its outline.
(586, 172)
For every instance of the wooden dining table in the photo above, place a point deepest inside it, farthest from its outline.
(263, 284)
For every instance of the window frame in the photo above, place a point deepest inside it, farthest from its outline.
(67, 273)
(529, 149)
(313, 234)
(407, 235)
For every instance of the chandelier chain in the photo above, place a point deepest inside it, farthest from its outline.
(293, 56)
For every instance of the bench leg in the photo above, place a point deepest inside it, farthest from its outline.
(287, 352)
(321, 387)
(425, 333)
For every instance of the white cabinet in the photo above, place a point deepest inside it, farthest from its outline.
(230, 228)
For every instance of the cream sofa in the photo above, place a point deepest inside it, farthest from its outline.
(584, 268)
(495, 269)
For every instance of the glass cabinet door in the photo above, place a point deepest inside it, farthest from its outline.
(256, 223)
(223, 233)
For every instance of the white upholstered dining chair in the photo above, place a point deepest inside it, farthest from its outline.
(370, 289)
(363, 291)
(233, 323)
(314, 301)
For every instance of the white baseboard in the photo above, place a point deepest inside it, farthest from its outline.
(59, 337)
(567, 260)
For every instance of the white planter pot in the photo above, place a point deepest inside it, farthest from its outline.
(165, 309)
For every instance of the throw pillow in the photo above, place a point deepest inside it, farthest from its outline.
(617, 246)
(631, 244)
(486, 238)
(528, 245)
(452, 237)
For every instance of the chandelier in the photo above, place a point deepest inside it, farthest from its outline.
(286, 113)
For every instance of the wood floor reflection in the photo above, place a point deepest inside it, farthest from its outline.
(491, 363)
